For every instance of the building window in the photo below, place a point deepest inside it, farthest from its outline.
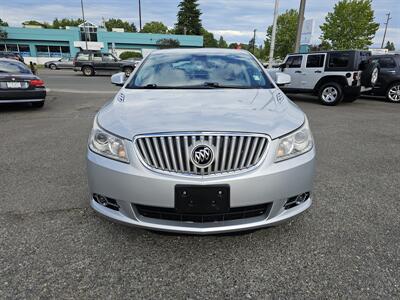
(65, 51)
(12, 47)
(17, 48)
(24, 50)
(42, 51)
(53, 51)
(91, 33)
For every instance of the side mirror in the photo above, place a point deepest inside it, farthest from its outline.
(282, 78)
(118, 79)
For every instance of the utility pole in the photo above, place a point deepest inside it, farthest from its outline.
(300, 25)
(386, 25)
(84, 24)
(272, 44)
(140, 16)
(254, 40)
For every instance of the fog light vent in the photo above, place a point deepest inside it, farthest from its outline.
(106, 202)
(296, 200)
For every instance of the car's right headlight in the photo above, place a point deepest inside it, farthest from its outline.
(108, 145)
(295, 143)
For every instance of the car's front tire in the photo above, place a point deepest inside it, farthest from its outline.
(393, 92)
(330, 94)
(53, 67)
(38, 104)
(88, 71)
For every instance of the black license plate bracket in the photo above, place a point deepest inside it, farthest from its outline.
(207, 199)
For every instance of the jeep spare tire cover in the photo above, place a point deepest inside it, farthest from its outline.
(369, 76)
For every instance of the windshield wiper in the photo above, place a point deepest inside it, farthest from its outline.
(150, 86)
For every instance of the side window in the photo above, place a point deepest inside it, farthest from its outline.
(339, 60)
(294, 61)
(83, 56)
(315, 61)
(97, 57)
(387, 63)
(108, 57)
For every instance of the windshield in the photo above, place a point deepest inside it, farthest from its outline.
(13, 67)
(189, 70)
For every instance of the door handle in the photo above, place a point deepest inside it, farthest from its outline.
(297, 71)
(318, 72)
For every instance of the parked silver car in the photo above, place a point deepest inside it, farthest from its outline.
(62, 63)
(200, 141)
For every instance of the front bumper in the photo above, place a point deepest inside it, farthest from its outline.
(133, 183)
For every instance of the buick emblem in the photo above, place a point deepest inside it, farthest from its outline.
(202, 156)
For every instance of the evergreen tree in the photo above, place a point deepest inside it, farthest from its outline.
(390, 46)
(222, 43)
(189, 21)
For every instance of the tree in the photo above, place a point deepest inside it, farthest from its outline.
(167, 43)
(222, 43)
(350, 26)
(189, 21)
(321, 47)
(154, 27)
(285, 34)
(3, 35)
(390, 46)
(37, 23)
(130, 54)
(118, 23)
(208, 39)
(3, 23)
(66, 22)
(252, 45)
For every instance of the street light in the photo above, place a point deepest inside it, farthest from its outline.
(84, 24)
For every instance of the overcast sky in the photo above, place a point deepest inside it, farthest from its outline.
(234, 19)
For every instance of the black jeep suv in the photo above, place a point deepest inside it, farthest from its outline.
(388, 83)
(92, 62)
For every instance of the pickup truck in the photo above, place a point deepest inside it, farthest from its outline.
(92, 62)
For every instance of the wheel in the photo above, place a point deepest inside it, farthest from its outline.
(128, 71)
(38, 104)
(370, 75)
(88, 71)
(330, 93)
(393, 92)
(350, 98)
(53, 67)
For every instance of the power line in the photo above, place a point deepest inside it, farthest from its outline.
(386, 25)
(272, 44)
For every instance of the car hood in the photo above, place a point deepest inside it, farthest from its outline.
(143, 111)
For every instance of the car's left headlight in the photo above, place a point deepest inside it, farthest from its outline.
(295, 143)
(108, 145)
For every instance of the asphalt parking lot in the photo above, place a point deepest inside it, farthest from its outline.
(54, 246)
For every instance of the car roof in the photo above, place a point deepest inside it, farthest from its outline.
(328, 51)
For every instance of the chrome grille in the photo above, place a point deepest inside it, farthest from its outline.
(172, 152)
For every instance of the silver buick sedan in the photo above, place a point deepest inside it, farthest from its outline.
(200, 141)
